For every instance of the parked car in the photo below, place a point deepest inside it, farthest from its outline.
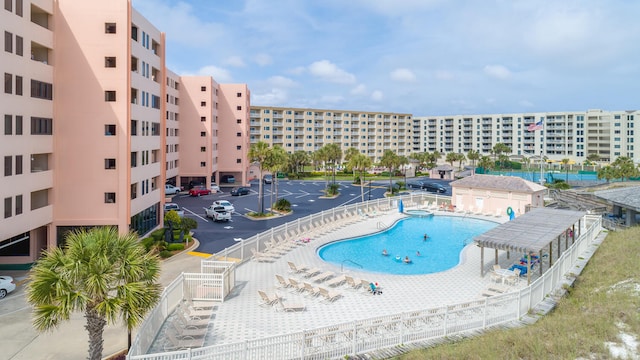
(170, 189)
(6, 285)
(199, 191)
(240, 191)
(173, 207)
(434, 187)
(415, 184)
(229, 179)
(217, 213)
(215, 188)
(267, 179)
(224, 203)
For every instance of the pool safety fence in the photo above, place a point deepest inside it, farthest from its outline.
(366, 335)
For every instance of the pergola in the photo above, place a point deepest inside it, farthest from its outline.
(532, 233)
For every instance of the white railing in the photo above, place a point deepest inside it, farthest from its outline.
(361, 336)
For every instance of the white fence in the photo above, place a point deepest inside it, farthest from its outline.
(356, 337)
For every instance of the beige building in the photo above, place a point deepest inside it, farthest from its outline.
(573, 135)
(103, 125)
(496, 195)
(309, 129)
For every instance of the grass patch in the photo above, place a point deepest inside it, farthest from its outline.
(604, 298)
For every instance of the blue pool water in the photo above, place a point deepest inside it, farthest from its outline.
(448, 235)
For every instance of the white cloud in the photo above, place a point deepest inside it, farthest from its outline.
(219, 74)
(281, 81)
(298, 70)
(497, 71)
(328, 71)
(263, 59)
(403, 75)
(235, 61)
(273, 97)
(361, 89)
(377, 95)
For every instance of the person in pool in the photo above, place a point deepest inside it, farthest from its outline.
(406, 260)
(384, 252)
(418, 253)
(426, 237)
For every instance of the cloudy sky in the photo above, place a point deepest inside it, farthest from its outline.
(425, 57)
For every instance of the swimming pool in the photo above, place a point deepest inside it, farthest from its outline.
(448, 235)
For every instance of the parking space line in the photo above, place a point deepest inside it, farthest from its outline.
(195, 214)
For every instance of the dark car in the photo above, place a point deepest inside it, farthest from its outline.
(240, 191)
(434, 187)
(199, 191)
(415, 184)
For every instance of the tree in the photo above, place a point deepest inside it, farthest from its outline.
(460, 159)
(360, 162)
(421, 158)
(258, 153)
(389, 160)
(607, 172)
(486, 163)
(499, 149)
(297, 161)
(276, 161)
(348, 155)
(593, 157)
(100, 273)
(322, 156)
(565, 163)
(451, 158)
(625, 168)
(473, 155)
(526, 162)
(334, 156)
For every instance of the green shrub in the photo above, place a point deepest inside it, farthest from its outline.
(332, 189)
(165, 254)
(175, 247)
(147, 243)
(189, 224)
(157, 235)
(282, 205)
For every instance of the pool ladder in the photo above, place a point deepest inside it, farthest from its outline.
(351, 261)
(381, 225)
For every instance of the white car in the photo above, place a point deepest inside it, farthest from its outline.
(215, 188)
(170, 189)
(6, 285)
(217, 213)
(173, 207)
(227, 205)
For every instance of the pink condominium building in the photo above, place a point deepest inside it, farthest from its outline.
(95, 124)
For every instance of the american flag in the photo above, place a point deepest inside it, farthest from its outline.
(535, 126)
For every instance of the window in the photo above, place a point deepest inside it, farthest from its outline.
(109, 164)
(203, 133)
(239, 134)
(203, 148)
(8, 124)
(110, 28)
(110, 61)
(8, 165)
(155, 129)
(155, 102)
(134, 127)
(203, 164)
(238, 121)
(134, 191)
(239, 94)
(134, 159)
(7, 207)
(19, 45)
(110, 197)
(203, 88)
(110, 130)
(8, 83)
(238, 161)
(8, 42)
(238, 107)
(7, 5)
(203, 103)
(18, 164)
(18, 124)
(41, 126)
(110, 95)
(18, 85)
(134, 32)
(203, 118)
(41, 90)
(238, 147)
(18, 204)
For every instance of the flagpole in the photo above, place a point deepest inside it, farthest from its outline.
(542, 158)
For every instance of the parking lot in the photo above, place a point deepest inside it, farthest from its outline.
(304, 196)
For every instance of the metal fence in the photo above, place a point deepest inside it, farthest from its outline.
(361, 336)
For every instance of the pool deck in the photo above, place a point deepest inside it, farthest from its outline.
(240, 317)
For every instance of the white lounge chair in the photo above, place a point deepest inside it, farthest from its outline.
(336, 281)
(322, 277)
(312, 290)
(295, 285)
(173, 343)
(297, 269)
(355, 285)
(291, 307)
(262, 257)
(329, 295)
(268, 300)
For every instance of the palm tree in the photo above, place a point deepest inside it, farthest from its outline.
(499, 149)
(451, 158)
(276, 162)
(473, 155)
(360, 162)
(460, 159)
(486, 163)
(101, 273)
(348, 154)
(322, 156)
(297, 161)
(565, 163)
(334, 156)
(625, 167)
(390, 161)
(258, 153)
(421, 158)
(608, 173)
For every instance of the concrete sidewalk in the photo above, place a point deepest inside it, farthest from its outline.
(20, 341)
